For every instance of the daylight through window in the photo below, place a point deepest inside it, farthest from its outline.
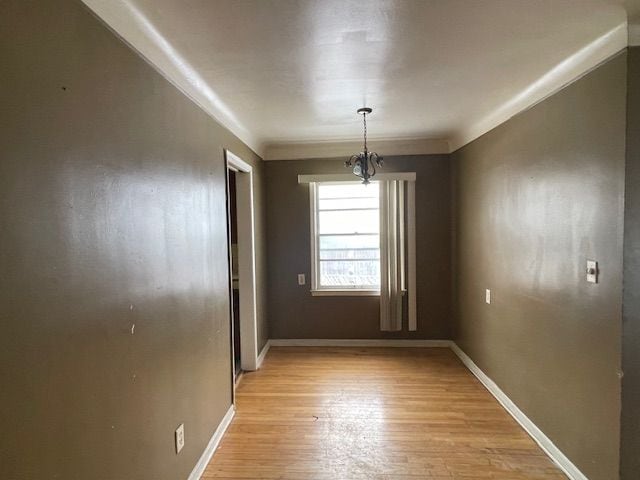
(347, 240)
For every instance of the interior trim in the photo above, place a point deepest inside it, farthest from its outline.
(247, 285)
(343, 342)
(205, 458)
(345, 292)
(263, 353)
(350, 177)
(544, 442)
(135, 28)
(332, 149)
(567, 71)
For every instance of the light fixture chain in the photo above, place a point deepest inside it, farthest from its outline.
(364, 116)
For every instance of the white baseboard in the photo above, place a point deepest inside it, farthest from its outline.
(200, 467)
(339, 342)
(545, 443)
(538, 435)
(263, 354)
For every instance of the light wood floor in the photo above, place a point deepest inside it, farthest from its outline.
(374, 414)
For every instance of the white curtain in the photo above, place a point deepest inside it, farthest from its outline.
(392, 254)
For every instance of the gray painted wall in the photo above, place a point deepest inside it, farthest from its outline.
(535, 198)
(630, 439)
(294, 313)
(114, 215)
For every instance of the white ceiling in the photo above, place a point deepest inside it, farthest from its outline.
(287, 76)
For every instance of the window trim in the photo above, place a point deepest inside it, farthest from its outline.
(348, 177)
(410, 209)
(316, 290)
(346, 292)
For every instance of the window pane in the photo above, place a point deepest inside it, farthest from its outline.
(349, 241)
(348, 190)
(350, 253)
(347, 204)
(350, 274)
(349, 221)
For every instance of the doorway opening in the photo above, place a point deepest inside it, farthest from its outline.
(235, 283)
(242, 265)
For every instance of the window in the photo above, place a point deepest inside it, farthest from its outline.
(359, 234)
(346, 231)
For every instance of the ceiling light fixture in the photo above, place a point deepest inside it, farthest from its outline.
(364, 163)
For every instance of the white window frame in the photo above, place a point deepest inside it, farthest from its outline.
(410, 178)
(316, 289)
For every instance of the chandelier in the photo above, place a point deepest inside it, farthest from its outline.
(364, 163)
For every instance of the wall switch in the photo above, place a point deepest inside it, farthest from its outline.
(487, 296)
(301, 279)
(179, 438)
(592, 271)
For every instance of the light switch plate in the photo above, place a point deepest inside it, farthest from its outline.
(487, 296)
(592, 271)
(301, 279)
(179, 438)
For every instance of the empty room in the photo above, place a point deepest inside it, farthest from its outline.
(320, 239)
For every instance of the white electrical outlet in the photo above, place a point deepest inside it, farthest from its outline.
(301, 279)
(487, 296)
(179, 438)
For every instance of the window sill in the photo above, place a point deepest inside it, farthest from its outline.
(345, 293)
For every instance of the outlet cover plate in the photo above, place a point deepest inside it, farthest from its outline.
(179, 438)
(592, 271)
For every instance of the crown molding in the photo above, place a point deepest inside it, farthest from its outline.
(136, 30)
(385, 147)
(567, 71)
(133, 27)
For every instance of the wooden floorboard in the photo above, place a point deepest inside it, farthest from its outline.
(375, 414)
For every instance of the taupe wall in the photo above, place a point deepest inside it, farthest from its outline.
(113, 216)
(535, 198)
(630, 435)
(294, 313)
